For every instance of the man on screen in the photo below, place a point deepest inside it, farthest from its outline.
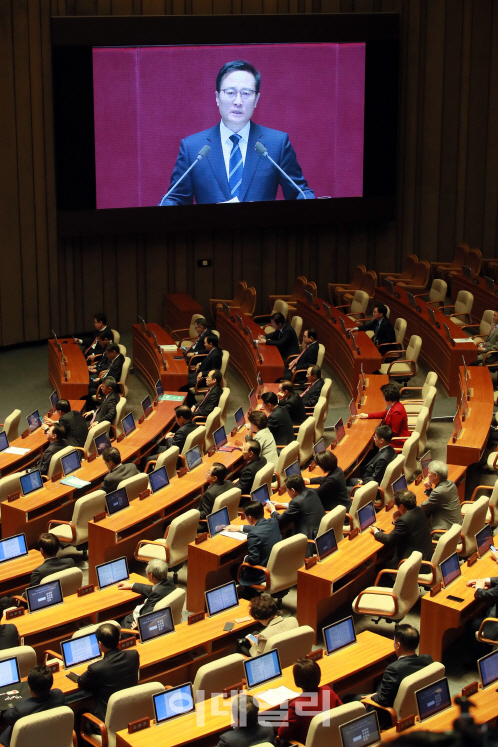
(232, 170)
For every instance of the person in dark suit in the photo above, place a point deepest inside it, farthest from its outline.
(330, 487)
(376, 466)
(284, 337)
(306, 358)
(56, 437)
(103, 340)
(292, 402)
(202, 329)
(117, 471)
(411, 531)
(105, 409)
(246, 730)
(253, 462)
(9, 635)
(304, 511)
(442, 504)
(72, 421)
(89, 340)
(115, 359)
(42, 697)
(486, 589)
(116, 671)
(232, 170)
(183, 428)
(211, 362)
(212, 397)
(216, 477)
(279, 421)
(394, 415)
(159, 586)
(382, 328)
(311, 395)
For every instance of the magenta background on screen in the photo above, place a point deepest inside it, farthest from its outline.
(147, 99)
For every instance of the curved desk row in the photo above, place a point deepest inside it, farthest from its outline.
(469, 447)
(149, 363)
(484, 298)
(71, 378)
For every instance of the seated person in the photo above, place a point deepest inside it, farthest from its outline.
(394, 415)
(279, 422)
(486, 589)
(184, 425)
(490, 343)
(211, 361)
(117, 471)
(246, 730)
(116, 361)
(41, 698)
(307, 357)
(311, 703)
(105, 409)
(202, 329)
(72, 421)
(264, 610)
(216, 477)
(376, 466)
(159, 586)
(284, 337)
(304, 511)
(9, 636)
(259, 431)
(443, 504)
(253, 462)
(103, 340)
(291, 401)
(381, 327)
(56, 437)
(311, 395)
(89, 340)
(330, 487)
(411, 531)
(211, 399)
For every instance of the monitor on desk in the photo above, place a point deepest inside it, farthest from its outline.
(34, 421)
(158, 479)
(309, 297)
(112, 572)
(424, 463)
(142, 324)
(339, 635)
(389, 286)
(193, 457)
(116, 501)
(70, 462)
(128, 424)
(326, 544)
(399, 484)
(44, 595)
(261, 669)
(343, 326)
(432, 315)
(226, 309)
(222, 598)
(172, 703)
(457, 422)
(490, 283)
(488, 668)
(54, 398)
(9, 672)
(31, 482)
(261, 494)
(340, 431)
(360, 392)
(78, 650)
(239, 418)
(147, 406)
(353, 410)
(411, 300)
(319, 447)
(251, 337)
(366, 516)
(240, 322)
(218, 521)
(467, 272)
(292, 469)
(102, 442)
(433, 699)
(484, 540)
(220, 437)
(261, 386)
(364, 731)
(159, 388)
(450, 569)
(326, 309)
(4, 441)
(155, 624)
(253, 399)
(13, 547)
(448, 334)
(353, 339)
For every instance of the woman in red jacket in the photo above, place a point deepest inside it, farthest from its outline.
(394, 415)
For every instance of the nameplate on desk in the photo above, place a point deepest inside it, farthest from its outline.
(91, 457)
(156, 400)
(181, 472)
(211, 451)
(353, 533)
(144, 494)
(315, 655)
(202, 537)
(471, 689)
(143, 723)
(333, 444)
(310, 562)
(405, 723)
(100, 516)
(312, 466)
(436, 589)
(56, 476)
(233, 432)
(25, 433)
(18, 612)
(13, 497)
(231, 692)
(55, 667)
(120, 437)
(141, 419)
(84, 590)
(127, 643)
(195, 617)
(472, 559)
(390, 505)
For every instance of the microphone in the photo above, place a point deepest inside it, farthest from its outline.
(202, 154)
(260, 148)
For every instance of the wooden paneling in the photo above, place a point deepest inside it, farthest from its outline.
(447, 177)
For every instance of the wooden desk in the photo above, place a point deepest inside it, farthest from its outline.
(339, 352)
(209, 566)
(178, 310)
(437, 352)
(78, 377)
(148, 362)
(354, 665)
(469, 447)
(483, 298)
(15, 574)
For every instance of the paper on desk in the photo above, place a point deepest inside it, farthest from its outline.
(462, 339)
(171, 397)
(169, 348)
(15, 450)
(242, 536)
(277, 695)
(75, 482)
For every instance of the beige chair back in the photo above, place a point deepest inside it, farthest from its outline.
(430, 380)
(297, 323)
(26, 658)
(485, 324)
(400, 330)
(213, 422)
(93, 628)
(129, 705)
(286, 558)
(405, 702)
(361, 497)
(168, 459)
(291, 645)
(333, 520)
(438, 291)
(175, 600)
(230, 499)
(393, 470)
(71, 579)
(8, 485)
(421, 427)
(326, 389)
(195, 438)
(320, 355)
(55, 463)
(410, 452)
(446, 546)
(319, 414)
(463, 303)
(192, 332)
(135, 485)
(359, 304)
(215, 332)
(85, 509)
(122, 350)
(116, 336)
(287, 456)
(473, 521)
(413, 349)
(305, 438)
(265, 474)
(11, 425)
(324, 727)
(223, 405)
(225, 357)
(182, 531)
(52, 728)
(217, 675)
(120, 413)
(406, 588)
(96, 430)
(281, 307)
(123, 379)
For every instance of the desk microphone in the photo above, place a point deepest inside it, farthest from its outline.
(202, 154)
(260, 148)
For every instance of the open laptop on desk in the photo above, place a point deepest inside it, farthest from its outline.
(147, 406)
(339, 635)
(102, 442)
(340, 431)
(12, 690)
(319, 447)
(54, 398)
(221, 440)
(399, 484)
(158, 479)
(159, 388)
(218, 521)
(70, 463)
(364, 731)
(222, 598)
(13, 547)
(326, 544)
(488, 669)
(450, 570)
(262, 669)
(111, 573)
(117, 501)
(433, 699)
(366, 516)
(4, 441)
(292, 469)
(193, 457)
(128, 423)
(484, 540)
(76, 651)
(34, 421)
(261, 494)
(173, 703)
(31, 482)
(155, 624)
(44, 595)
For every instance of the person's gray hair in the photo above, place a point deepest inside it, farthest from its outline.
(158, 568)
(440, 469)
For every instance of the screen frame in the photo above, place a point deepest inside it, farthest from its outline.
(90, 658)
(14, 682)
(34, 489)
(333, 625)
(148, 614)
(119, 509)
(422, 689)
(105, 433)
(6, 560)
(261, 487)
(444, 585)
(74, 451)
(213, 514)
(492, 682)
(330, 552)
(163, 692)
(3, 433)
(362, 508)
(48, 606)
(232, 606)
(198, 463)
(101, 565)
(167, 478)
(134, 422)
(270, 679)
(218, 446)
(368, 714)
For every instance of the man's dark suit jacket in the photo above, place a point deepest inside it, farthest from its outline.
(211, 400)
(285, 340)
(198, 346)
(27, 707)
(90, 339)
(260, 540)
(489, 595)
(76, 428)
(280, 426)
(49, 452)
(152, 597)
(9, 637)
(49, 566)
(247, 736)
(248, 473)
(311, 397)
(295, 407)
(385, 333)
(211, 362)
(122, 472)
(116, 671)
(395, 673)
(116, 367)
(376, 467)
(208, 182)
(179, 438)
(411, 532)
(307, 359)
(107, 410)
(331, 489)
(305, 511)
(210, 495)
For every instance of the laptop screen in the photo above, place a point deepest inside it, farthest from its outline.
(292, 469)
(239, 321)
(319, 446)
(339, 431)
(448, 334)
(34, 421)
(424, 463)
(112, 572)
(147, 406)
(116, 501)
(432, 315)
(102, 442)
(326, 308)
(366, 516)
(457, 422)
(217, 521)
(226, 309)
(433, 699)
(262, 669)
(159, 388)
(488, 668)
(411, 300)
(484, 540)
(155, 624)
(343, 325)
(363, 731)
(389, 286)
(222, 598)
(54, 398)
(220, 437)
(13, 547)
(4, 441)
(193, 457)
(326, 544)
(353, 410)
(490, 283)
(158, 479)
(399, 484)
(70, 462)
(31, 482)
(128, 424)
(43, 596)
(309, 297)
(239, 417)
(253, 399)
(78, 650)
(9, 672)
(450, 569)
(260, 381)
(339, 635)
(175, 702)
(261, 494)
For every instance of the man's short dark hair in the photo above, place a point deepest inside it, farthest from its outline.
(390, 392)
(219, 471)
(263, 607)
(384, 432)
(49, 543)
(111, 347)
(295, 482)
(212, 340)
(326, 460)
(316, 371)
(407, 636)
(182, 411)
(278, 318)
(287, 386)
(111, 382)
(255, 510)
(254, 447)
(201, 322)
(63, 406)
(216, 375)
(236, 65)
(307, 675)
(312, 333)
(405, 498)
(111, 454)
(108, 635)
(104, 335)
(258, 418)
(100, 316)
(269, 398)
(381, 308)
(59, 432)
(40, 680)
(245, 710)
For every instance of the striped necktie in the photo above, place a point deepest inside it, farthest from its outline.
(235, 167)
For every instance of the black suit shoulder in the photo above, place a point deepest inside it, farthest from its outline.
(49, 566)
(76, 428)
(313, 394)
(280, 425)
(210, 402)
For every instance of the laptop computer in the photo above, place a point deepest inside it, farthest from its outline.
(448, 334)
(292, 469)
(76, 651)
(364, 731)
(261, 494)
(366, 516)
(389, 286)
(399, 484)
(220, 437)
(71, 462)
(13, 547)
(239, 418)
(433, 699)
(253, 399)
(424, 463)
(155, 624)
(488, 669)
(44, 595)
(147, 406)
(319, 447)
(217, 521)
(193, 457)
(112, 572)
(484, 540)
(326, 544)
(128, 423)
(116, 501)
(102, 442)
(34, 421)
(159, 388)
(450, 569)
(31, 482)
(261, 669)
(173, 703)
(222, 598)
(54, 398)
(490, 283)
(339, 635)
(340, 431)
(353, 410)
(326, 309)
(4, 441)
(343, 326)
(158, 479)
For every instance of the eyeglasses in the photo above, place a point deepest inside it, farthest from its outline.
(231, 94)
